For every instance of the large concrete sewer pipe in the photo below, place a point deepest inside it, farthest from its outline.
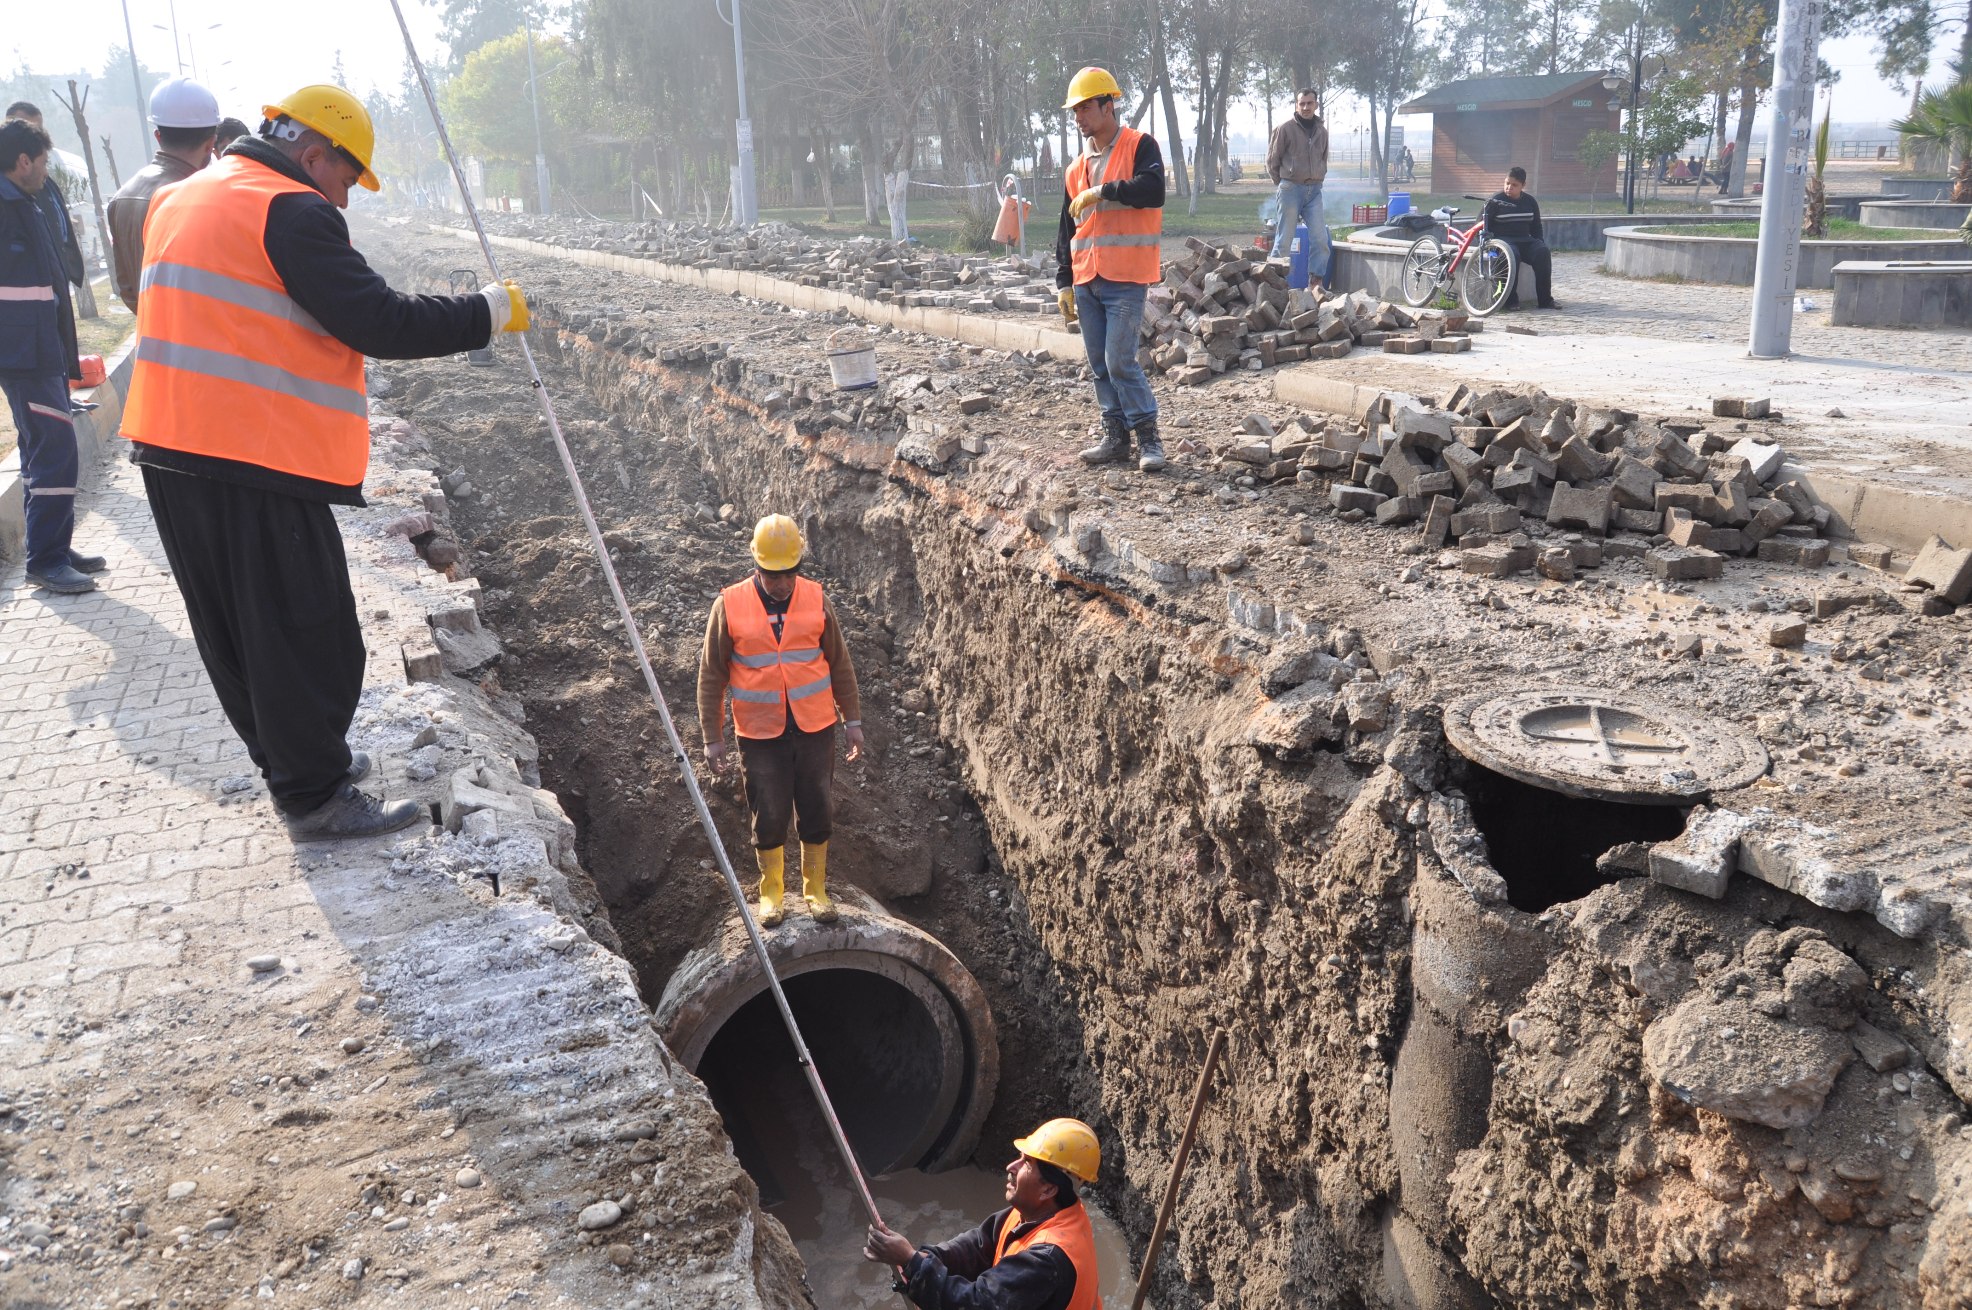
(899, 1028)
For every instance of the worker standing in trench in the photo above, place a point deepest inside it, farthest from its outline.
(1106, 260)
(1037, 1254)
(773, 640)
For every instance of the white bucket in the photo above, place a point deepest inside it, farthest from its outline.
(853, 367)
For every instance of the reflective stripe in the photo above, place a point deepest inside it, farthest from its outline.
(51, 491)
(807, 689)
(1138, 239)
(232, 290)
(772, 658)
(27, 293)
(757, 697)
(60, 415)
(218, 364)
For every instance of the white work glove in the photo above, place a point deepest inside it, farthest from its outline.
(508, 307)
(1087, 199)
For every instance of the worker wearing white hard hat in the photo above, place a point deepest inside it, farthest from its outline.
(184, 118)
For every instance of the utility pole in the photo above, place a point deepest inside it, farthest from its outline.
(136, 78)
(1797, 42)
(534, 98)
(746, 206)
(85, 300)
(1629, 156)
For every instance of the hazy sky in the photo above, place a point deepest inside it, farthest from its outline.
(246, 64)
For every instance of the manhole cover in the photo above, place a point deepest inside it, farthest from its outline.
(1589, 743)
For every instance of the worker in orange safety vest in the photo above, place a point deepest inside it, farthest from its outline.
(773, 642)
(1037, 1254)
(1107, 258)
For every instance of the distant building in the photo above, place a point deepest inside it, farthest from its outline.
(1481, 126)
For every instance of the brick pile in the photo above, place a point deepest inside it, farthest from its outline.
(1220, 309)
(1494, 470)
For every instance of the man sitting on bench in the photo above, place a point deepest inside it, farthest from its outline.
(1515, 218)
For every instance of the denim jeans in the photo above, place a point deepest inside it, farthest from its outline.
(1301, 202)
(1111, 314)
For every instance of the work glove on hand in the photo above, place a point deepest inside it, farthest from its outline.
(508, 306)
(1088, 198)
(1066, 299)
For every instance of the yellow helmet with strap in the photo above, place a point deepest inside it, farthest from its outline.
(1090, 83)
(1067, 1144)
(336, 114)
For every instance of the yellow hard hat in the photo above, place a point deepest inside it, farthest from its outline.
(1067, 1144)
(776, 543)
(337, 115)
(1090, 83)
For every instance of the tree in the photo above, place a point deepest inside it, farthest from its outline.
(1817, 194)
(1596, 152)
(470, 24)
(1944, 118)
(487, 105)
(1382, 61)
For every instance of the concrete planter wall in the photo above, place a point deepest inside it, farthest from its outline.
(1729, 260)
(1848, 207)
(1914, 213)
(1567, 231)
(1903, 294)
(1918, 188)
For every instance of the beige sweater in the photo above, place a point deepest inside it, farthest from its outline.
(715, 662)
(1297, 155)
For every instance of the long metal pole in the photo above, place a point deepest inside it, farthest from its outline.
(136, 80)
(1796, 44)
(748, 203)
(636, 636)
(534, 99)
(1629, 158)
(1178, 1168)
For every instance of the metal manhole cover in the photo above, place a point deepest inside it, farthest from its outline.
(1590, 743)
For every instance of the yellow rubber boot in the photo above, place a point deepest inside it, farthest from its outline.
(815, 880)
(772, 864)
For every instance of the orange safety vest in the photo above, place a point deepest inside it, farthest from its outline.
(1115, 241)
(1068, 1229)
(227, 365)
(768, 675)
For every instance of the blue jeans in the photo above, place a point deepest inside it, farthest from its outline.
(1301, 202)
(49, 462)
(1111, 314)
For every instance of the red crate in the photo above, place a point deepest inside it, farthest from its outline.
(1359, 214)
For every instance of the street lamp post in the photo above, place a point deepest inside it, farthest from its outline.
(1797, 41)
(136, 79)
(534, 99)
(746, 208)
(1629, 157)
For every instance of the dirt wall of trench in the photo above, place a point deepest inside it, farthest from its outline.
(1426, 1102)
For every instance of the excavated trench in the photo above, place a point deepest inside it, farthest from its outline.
(1094, 829)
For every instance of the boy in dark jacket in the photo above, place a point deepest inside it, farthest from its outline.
(1515, 218)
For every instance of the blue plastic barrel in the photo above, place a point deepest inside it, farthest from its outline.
(1400, 203)
(1297, 261)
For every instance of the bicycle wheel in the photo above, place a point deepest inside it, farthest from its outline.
(1424, 264)
(1487, 279)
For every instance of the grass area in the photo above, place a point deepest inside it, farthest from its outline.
(1839, 229)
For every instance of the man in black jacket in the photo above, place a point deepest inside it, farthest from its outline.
(1515, 218)
(242, 491)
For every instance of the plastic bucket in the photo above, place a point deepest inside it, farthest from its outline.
(851, 366)
(1400, 203)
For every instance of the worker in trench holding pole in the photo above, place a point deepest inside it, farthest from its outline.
(1037, 1254)
(773, 641)
(1106, 260)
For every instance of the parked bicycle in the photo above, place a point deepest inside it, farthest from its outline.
(1482, 268)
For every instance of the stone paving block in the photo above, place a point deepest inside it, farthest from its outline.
(1586, 508)
(1945, 570)
(1345, 498)
(1810, 553)
(1634, 485)
(1679, 564)
(1701, 858)
(1740, 407)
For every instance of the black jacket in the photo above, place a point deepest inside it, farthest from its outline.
(1143, 189)
(55, 205)
(960, 1274)
(308, 244)
(1514, 220)
(37, 334)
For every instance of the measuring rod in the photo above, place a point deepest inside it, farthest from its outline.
(637, 644)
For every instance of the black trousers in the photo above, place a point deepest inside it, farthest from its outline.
(266, 587)
(789, 775)
(1534, 254)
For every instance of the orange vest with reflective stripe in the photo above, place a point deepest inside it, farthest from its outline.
(767, 675)
(1068, 1229)
(227, 365)
(1115, 241)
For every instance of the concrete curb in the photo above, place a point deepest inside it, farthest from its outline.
(94, 433)
(1632, 252)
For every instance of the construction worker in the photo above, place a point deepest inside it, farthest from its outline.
(1037, 1254)
(37, 359)
(184, 123)
(248, 416)
(773, 640)
(1106, 258)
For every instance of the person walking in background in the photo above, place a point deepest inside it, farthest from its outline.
(1725, 166)
(37, 359)
(773, 641)
(1410, 165)
(1107, 258)
(248, 416)
(1297, 161)
(184, 120)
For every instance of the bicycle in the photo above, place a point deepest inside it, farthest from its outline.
(1484, 276)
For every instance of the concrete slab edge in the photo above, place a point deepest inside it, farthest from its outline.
(95, 435)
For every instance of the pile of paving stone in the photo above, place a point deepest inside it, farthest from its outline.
(1492, 470)
(1220, 309)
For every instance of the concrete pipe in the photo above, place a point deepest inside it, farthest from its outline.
(899, 1029)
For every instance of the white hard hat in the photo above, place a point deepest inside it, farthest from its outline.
(181, 102)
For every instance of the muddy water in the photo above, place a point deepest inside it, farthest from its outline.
(780, 1138)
